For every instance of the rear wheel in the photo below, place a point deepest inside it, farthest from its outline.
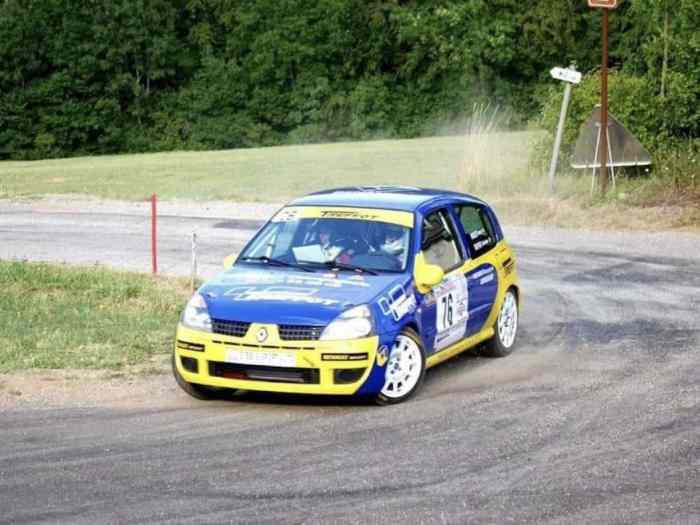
(405, 369)
(199, 391)
(503, 341)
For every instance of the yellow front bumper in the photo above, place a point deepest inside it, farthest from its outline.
(321, 367)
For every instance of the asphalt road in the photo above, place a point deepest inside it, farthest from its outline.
(594, 419)
(120, 238)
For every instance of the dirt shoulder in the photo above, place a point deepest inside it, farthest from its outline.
(89, 388)
(176, 208)
(612, 216)
(516, 211)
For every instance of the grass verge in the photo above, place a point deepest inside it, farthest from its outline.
(257, 174)
(498, 166)
(58, 317)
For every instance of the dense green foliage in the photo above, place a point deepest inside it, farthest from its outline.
(656, 98)
(82, 77)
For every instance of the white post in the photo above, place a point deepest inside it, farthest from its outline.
(595, 158)
(194, 260)
(560, 132)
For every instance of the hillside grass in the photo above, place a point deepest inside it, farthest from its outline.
(59, 317)
(258, 174)
(497, 166)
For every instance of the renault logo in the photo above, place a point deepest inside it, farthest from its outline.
(261, 335)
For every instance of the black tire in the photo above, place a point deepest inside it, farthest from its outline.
(497, 346)
(201, 392)
(381, 398)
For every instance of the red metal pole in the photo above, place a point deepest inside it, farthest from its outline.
(154, 252)
(604, 108)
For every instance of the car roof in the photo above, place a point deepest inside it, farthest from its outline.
(403, 198)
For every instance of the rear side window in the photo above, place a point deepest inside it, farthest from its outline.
(438, 242)
(478, 228)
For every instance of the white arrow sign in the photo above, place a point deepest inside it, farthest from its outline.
(567, 75)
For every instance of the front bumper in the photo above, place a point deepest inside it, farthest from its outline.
(311, 367)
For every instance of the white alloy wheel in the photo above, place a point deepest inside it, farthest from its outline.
(404, 370)
(506, 327)
(508, 320)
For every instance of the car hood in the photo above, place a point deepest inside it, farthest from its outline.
(290, 296)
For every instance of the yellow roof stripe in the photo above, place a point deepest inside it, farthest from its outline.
(290, 213)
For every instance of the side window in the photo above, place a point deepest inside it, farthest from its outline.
(438, 242)
(478, 228)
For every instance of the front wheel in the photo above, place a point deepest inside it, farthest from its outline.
(503, 341)
(199, 391)
(405, 369)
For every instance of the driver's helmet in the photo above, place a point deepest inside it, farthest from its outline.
(393, 240)
(324, 227)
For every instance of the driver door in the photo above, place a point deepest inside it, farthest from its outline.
(444, 311)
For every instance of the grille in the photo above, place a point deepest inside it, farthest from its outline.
(266, 347)
(233, 328)
(296, 332)
(309, 376)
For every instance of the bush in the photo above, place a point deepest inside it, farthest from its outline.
(660, 123)
(667, 126)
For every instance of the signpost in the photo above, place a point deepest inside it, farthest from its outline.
(568, 76)
(605, 5)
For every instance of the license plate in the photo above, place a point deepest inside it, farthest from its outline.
(246, 357)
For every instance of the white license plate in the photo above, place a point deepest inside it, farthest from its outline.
(246, 357)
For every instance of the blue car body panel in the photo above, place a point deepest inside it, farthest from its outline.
(262, 294)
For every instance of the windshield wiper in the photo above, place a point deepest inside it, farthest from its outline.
(335, 265)
(276, 262)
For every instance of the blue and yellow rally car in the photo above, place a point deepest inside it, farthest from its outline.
(353, 291)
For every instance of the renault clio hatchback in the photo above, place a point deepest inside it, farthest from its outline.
(353, 291)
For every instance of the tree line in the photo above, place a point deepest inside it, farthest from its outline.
(91, 77)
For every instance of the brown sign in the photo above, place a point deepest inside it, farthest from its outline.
(607, 4)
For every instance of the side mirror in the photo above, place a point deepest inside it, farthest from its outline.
(426, 275)
(228, 261)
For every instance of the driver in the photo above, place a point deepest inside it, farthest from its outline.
(395, 243)
(329, 247)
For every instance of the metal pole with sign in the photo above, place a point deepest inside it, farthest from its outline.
(605, 5)
(568, 76)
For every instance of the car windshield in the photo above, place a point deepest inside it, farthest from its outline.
(349, 244)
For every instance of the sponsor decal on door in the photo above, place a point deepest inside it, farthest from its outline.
(452, 300)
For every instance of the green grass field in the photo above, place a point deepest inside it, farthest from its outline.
(495, 165)
(260, 174)
(58, 317)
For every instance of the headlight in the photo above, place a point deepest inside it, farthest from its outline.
(355, 323)
(196, 314)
